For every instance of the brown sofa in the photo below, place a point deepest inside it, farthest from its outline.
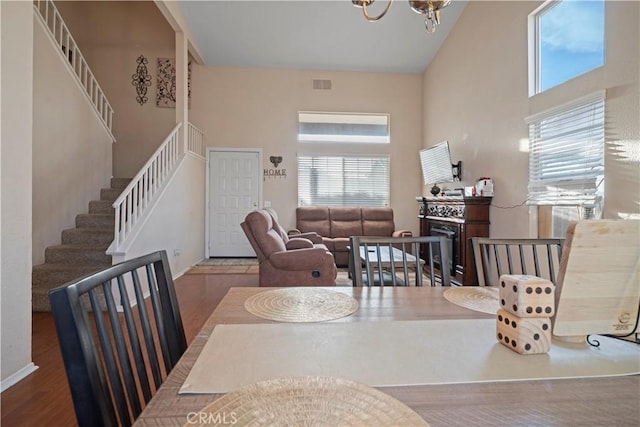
(287, 261)
(337, 224)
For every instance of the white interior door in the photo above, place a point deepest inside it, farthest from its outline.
(234, 190)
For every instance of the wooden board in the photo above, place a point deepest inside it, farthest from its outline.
(598, 289)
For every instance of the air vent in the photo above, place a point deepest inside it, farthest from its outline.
(322, 84)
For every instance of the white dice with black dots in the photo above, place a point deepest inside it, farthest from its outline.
(527, 296)
(524, 335)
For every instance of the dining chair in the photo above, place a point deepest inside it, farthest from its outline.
(399, 261)
(495, 257)
(117, 345)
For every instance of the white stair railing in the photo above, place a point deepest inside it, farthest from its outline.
(195, 140)
(68, 48)
(137, 196)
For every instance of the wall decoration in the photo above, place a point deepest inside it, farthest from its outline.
(275, 160)
(141, 80)
(275, 173)
(166, 90)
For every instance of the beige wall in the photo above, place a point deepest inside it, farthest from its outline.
(71, 149)
(177, 222)
(111, 36)
(16, 23)
(240, 107)
(476, 96)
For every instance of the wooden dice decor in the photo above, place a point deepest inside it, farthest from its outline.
(524, 335)
(527, 296)
(523, 322)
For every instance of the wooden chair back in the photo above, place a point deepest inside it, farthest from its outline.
(117, 345)
(413, 256)
(495, 257)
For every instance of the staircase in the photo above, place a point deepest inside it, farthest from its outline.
(82, 250)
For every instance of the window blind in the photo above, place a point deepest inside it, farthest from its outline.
(343, 180)
(566, 153)
(343, 127)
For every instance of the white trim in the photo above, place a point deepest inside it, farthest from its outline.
(558, 109)
(13, 379)
(533, 43)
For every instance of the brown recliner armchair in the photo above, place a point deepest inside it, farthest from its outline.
(284, 261)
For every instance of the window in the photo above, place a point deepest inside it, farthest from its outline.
(343, 180)
(566, 40)
(566, 156)
(343, 127)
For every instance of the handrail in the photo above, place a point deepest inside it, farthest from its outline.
(137, 196)
(195, 140)
(68, 48)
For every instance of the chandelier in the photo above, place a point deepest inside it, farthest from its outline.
(429, 8)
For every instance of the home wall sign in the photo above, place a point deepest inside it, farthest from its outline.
(166, 84)
(141, 80)
(275, 172)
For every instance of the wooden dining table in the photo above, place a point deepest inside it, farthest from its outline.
(605, 401)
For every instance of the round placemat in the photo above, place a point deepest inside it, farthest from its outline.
(477, 298)
(300, 305)
(306, 401)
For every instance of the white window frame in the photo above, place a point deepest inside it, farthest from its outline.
(534, 68)
(353, 125)
(373, 190)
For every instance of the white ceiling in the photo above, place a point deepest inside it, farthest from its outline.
(318, 35)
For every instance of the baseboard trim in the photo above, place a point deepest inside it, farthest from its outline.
(18, 376)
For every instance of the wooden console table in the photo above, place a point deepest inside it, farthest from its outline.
(458, 219)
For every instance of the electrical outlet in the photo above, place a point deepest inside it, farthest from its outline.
(176, 252)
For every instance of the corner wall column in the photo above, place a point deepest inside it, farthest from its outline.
(182, 88)
(16, 178)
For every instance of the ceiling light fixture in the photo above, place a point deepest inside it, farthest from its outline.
(429, 8)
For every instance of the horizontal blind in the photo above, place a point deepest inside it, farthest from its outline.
(343, 180)
(436, 164)
(566, 153)
(343, 127)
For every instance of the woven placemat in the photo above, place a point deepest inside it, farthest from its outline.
(307, 401)
(300, 305)
(478, 298)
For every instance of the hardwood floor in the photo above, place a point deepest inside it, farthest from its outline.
(43, 398)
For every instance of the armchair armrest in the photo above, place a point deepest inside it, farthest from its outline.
(311, 235)
(298, 243)
(301, 259)
(402, 233)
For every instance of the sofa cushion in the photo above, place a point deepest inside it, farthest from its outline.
(377, 222)
(345, 221)
(312, 218)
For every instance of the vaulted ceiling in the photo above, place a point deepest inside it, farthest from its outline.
(320, 35)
